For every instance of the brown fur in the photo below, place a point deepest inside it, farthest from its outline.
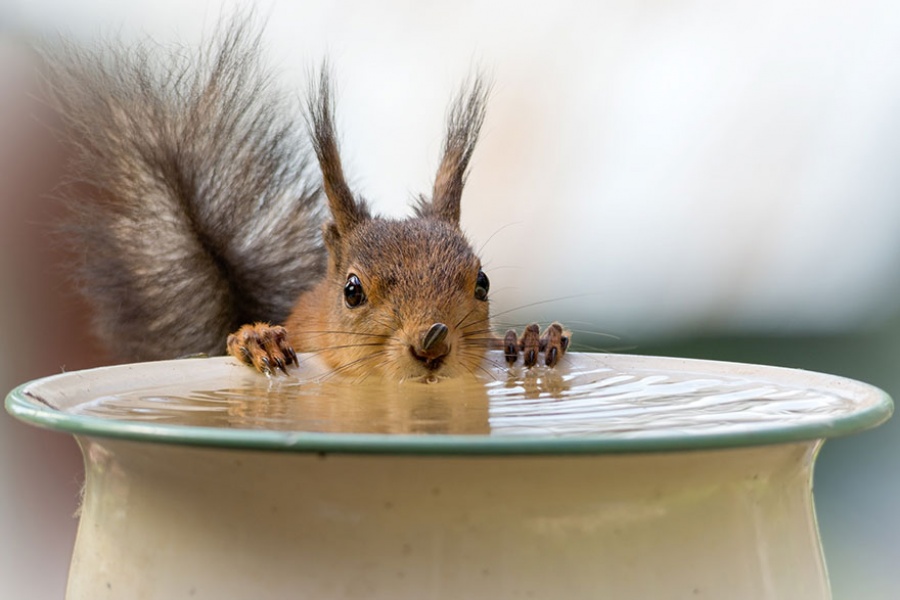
(415, 272)
(197, 214)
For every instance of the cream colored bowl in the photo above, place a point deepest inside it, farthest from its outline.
(608, 477)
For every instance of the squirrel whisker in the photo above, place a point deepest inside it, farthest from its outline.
(344, 347)
(460, 325)
(541, 302)
(346, 366)
(478, 358)
(341, 332)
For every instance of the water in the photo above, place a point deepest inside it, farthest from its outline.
(588, 395)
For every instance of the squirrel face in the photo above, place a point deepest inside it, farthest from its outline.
(408, 299)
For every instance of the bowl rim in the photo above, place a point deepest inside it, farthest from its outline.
(27, 403)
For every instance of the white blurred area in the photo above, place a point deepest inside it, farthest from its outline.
(680, 165)
(666, 168)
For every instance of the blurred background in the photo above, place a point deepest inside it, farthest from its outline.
(690, 178)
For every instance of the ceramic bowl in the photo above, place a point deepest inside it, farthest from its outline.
(611, 476)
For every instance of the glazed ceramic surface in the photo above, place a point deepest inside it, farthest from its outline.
(609, 477)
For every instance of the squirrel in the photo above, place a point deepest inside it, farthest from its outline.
(203, 226)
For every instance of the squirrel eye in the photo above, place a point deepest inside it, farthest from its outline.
(482, 285)
(353, 292)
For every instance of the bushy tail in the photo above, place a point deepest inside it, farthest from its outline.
(195, 206)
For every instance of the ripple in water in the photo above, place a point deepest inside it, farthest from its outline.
(589, 395)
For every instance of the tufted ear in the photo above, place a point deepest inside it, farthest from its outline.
(464, 122)
(347, 211)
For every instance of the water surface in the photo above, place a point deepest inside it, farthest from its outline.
(587, 395)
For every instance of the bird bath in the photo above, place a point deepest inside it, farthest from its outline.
(611, 476)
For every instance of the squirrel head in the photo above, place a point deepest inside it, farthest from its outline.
(403, 298)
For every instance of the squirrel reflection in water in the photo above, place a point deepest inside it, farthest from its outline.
(455, 407)
(307, 402)
(203, 226)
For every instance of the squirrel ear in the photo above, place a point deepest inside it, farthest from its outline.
(332, 239)
(463, 125)
(345, 209)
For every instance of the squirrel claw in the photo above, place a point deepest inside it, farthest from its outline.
(553, 343)
(262, 346)
(511, 347)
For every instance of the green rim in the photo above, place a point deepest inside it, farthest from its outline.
(23, 404)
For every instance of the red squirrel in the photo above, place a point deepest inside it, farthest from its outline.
(203, 226)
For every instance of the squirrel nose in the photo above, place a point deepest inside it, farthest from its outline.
(433, 349)
(434, 336)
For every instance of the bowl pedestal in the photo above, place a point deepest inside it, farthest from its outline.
(168, 522)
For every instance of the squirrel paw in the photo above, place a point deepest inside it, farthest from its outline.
(262, 346)
(553, 343)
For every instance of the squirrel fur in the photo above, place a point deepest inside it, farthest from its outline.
(203, 224)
